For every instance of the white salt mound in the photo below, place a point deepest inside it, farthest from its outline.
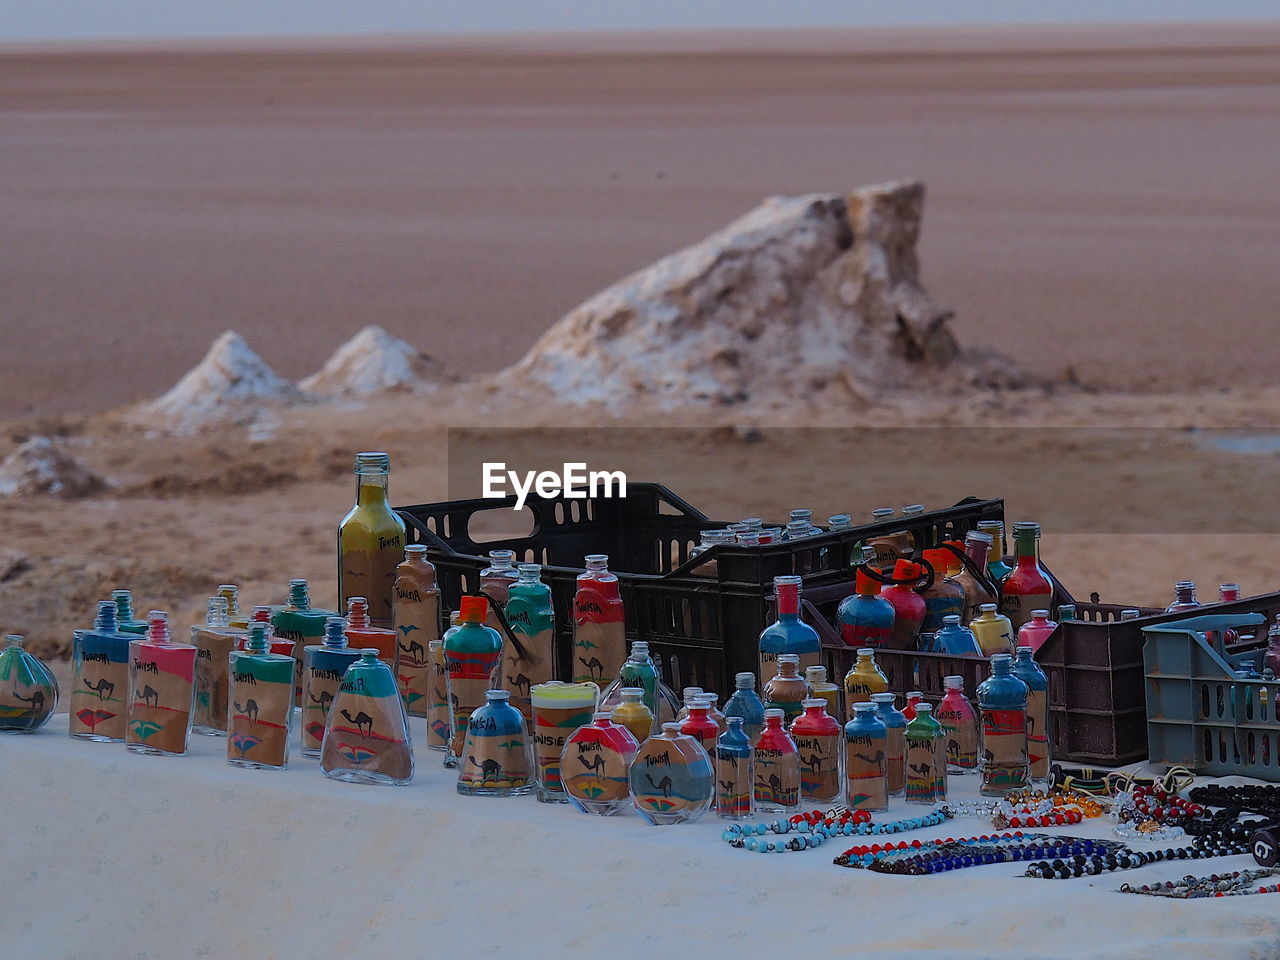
(800, 296)
(231, 385)
(40, 466)
(371, 362)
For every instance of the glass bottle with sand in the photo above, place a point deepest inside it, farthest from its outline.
(558, 710)
(746, 705)
(599, 625)
(362, 634)
(323, 665)
(866, 760)
(992, 630)
(735, 772)
(788, 633)
(497, 759)
(594, 766)
(495, 583)
(960, 724)
(440, 712)
(977, 590)
(530, 659)
(260, 698)
(895, 760)
(671, 778)
(926, 758)
(367, 738)
(1028, 671)
(371, 541)
(818, 739)
(787, 689)
(415, 610)
(161, 690)
(214, 640)
(1027, 587)
(100, 678)
(777, 767)
(634, 714)
(863, 679)
(28, 689)
(1002, 709)
(472, 657)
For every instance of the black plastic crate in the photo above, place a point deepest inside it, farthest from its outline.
(703, 614)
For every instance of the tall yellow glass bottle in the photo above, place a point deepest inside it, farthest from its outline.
(863, 679)
(370, 542)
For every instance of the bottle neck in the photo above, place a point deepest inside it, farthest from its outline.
(977, 551)
(371, 489)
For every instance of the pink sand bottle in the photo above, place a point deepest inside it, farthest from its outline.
(1036, 631)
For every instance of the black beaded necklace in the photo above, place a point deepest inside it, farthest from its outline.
(1228, 842)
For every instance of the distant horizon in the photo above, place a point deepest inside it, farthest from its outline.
(180, 20)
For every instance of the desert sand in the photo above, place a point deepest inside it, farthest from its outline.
(1100, 208)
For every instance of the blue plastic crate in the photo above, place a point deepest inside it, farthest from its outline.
(1199, 713)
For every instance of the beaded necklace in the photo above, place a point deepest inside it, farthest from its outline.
(816, 828)
(1194, 888)
(952, 854)
(1228, 843)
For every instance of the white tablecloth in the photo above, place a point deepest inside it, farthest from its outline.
(109, 856)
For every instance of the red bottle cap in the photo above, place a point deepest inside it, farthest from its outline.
(940, 560)
(864, 584)
(473, 609)
(906, 572)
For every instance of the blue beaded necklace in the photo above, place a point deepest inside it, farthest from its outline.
(752, 836)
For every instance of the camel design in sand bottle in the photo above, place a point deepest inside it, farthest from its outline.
(150, 696)
(921, 770)
(814, 762)
(872, 761)
(250, 710)
(773, 784)
(414, 650)
(490, 769)
(520, 684)
(595, 669)
(663, 786)
(104, 688)
(36, 700)
(363, 722)
(325, 699)
(595, 766)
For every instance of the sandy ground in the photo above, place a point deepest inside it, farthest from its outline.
(1099, 198)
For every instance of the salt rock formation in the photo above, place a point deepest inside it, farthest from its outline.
(39, 466)
(231, 385)
(373, 361)
(801, 296)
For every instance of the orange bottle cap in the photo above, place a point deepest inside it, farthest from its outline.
(865, 584)
(473, 609)
(905, 571)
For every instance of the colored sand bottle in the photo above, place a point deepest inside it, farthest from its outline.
(415, 610)
(888, 547)
(298, 621)
(440, 713)
(28, 690)
(863, 679)
(472, 657)
(1002, 708)
(495, 583)
(956, 639)
(100, 678)
(671, 778)
(960, 723)
(367, 737)
(865, 618)
(821, 687)
(161, 690)
(690, 696)
(997, 569)
(866, 740)
(926, 758)
(594, 766)
(371, 541)
(913, 697)
(787, 690)
(819, 741)
(1184, 597)
(125, 621)
(746, 705)
(532, 620)
(944, 597)
(633, 713)
(1036, 631)
(497, 757)
(735, 773)
(977, 590)
(638, 671)
(993, 630)
(712, 700)
(908, 606)
(1027, 588)
(599, 626)
(362, 635)
(214, 640)
(699, 725)
(788, 633)
(323, 665)
(261, 704)
(1028, 671)
(558, 710)
(236, 617)
(895, 723)
(777, 767)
